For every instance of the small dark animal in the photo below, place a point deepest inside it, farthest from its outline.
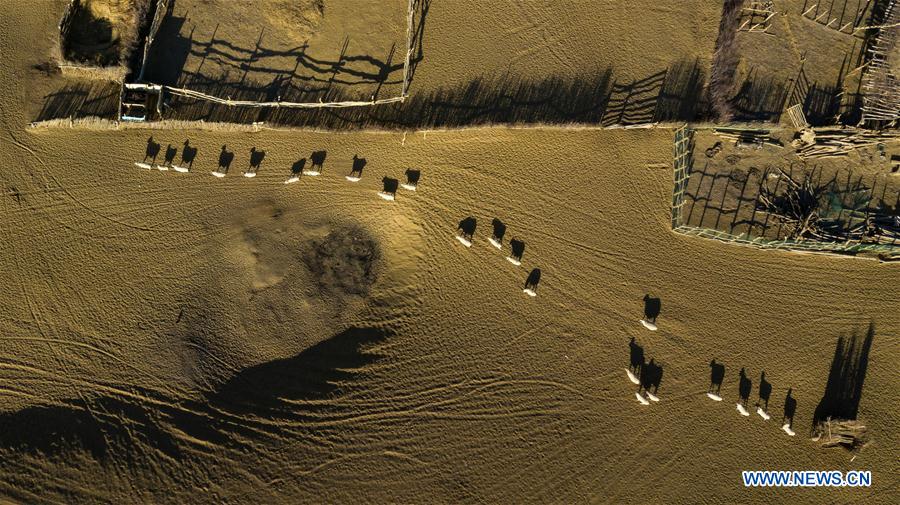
(358, 165)
(765, 391)
(389, 185)
(533, 279)
(466, 227)
(637, 357)
(170, 154)
(652, 306)
(654, 376)
(790, 407)
(517, 248)
(318, 158)
(256, 158)
(651, 376)
(499, 229)
(412, 177)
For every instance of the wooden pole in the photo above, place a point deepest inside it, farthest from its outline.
(409, 49)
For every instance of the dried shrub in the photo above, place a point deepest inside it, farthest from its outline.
(344, 261)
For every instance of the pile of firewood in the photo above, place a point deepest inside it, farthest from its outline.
(840, 141)
(748, 137)
(849, 434)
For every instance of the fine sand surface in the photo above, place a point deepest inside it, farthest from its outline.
(467, 39)
(178, 338)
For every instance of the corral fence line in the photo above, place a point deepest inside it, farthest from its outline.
(889, 252)
(162, 9)
(101, 123)
(837, 17)
(881, 89)
(684, 149)
(246, 103)
(65, 24)
(682, 167)
(409, 47)
(757, 14)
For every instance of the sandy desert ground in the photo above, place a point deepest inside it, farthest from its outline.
(175, 337)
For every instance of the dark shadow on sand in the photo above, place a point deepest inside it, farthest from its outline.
(716, 376)
(226, 157)
(844, 388)
(130, 426)
(745, 385)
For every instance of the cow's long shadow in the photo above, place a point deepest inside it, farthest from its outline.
(636, 357)
(125, 424)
